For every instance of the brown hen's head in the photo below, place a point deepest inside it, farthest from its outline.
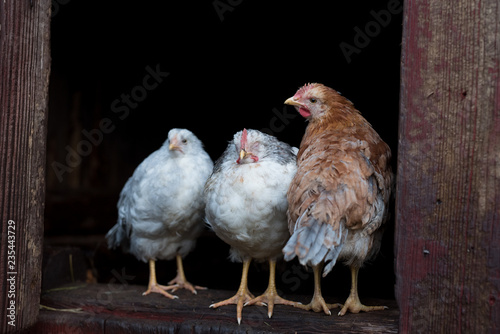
(315, 101)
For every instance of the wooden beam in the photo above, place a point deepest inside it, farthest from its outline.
(24, 76)
(448, 183)
(121, 308)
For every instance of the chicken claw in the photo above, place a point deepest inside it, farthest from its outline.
(242, 296)
(240, 299)
(153, 285)
(317, 303)
(270, 297)
(180, 281)
(353, 304)
(157, 288)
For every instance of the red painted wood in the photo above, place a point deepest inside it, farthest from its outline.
(448, 183)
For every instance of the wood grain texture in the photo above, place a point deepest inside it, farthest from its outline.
(121, 308)
(24, 75)
(448, 184)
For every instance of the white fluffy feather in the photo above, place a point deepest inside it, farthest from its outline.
(160, 211)
(246, 202)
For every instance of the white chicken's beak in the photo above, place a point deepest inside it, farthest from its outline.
(291, 101)
(243, 154)
(174, 145)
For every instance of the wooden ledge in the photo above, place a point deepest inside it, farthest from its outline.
(116, 308)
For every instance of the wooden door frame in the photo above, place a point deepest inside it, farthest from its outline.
(447, 236)
(448, 189)
(24, 82)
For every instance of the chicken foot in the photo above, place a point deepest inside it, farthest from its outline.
(153, 285)
(242, 296)
(353, 304)
(317, 303)
(180, 281)
(270, 296)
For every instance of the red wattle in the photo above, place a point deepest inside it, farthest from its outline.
(304, 112)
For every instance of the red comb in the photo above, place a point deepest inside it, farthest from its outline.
(244, 138)
(305, 88)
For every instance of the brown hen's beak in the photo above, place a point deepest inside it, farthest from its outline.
(291, 101)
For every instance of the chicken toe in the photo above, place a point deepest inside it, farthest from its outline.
(270, 297)
(353, 303)
(241, 297)
(153, 285)
(180, 281)
(157, 288)
(317, 303)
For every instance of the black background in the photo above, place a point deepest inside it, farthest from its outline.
(225, 73)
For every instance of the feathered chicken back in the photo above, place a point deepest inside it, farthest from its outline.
(341, 191)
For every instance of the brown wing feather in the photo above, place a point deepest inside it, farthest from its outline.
(342, 183)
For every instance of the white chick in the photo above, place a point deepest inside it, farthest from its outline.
(161, 207)
(246, 207)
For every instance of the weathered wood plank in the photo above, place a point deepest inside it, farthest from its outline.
(24, 75)
(448, 192)
(121, 308)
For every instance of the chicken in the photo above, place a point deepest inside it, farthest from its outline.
(161, 207)
(246, 207)
(338, 199)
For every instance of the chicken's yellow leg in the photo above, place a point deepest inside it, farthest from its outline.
(270, 296)
(180, 281)
(317, 303)
(242, 296)
(352, 304)
(153, 285)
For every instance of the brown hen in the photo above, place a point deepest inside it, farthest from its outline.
(338, 200)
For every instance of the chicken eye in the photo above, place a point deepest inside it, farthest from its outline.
(184, 141)
(313, 100)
